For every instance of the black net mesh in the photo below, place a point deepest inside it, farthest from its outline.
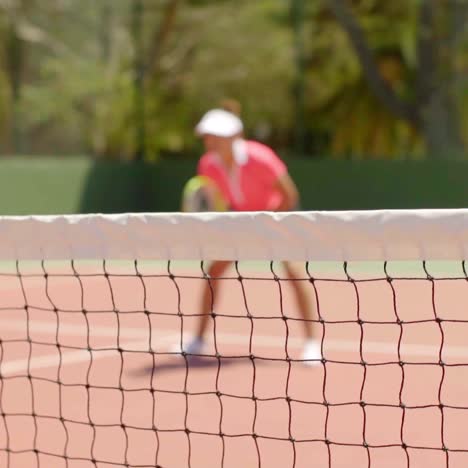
(94, 372)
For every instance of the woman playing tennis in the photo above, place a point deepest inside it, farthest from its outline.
(249, 176)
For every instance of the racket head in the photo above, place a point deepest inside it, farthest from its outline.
(201, 194)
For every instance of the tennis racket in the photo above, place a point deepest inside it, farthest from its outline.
(201, 194)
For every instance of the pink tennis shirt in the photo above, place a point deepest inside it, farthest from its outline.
(251, 184)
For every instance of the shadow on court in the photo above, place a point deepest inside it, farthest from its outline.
(177, 362)
(190, 362)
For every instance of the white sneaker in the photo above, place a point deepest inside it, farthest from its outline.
(194, 346)
(312, 353)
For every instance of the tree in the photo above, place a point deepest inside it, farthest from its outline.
(432, 109)
(369, 87)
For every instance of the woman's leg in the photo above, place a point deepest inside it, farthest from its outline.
(210, 293)
(312, 349)
(306, 307)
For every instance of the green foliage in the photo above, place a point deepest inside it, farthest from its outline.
(357, 123)
(4, 103)
(77, 74)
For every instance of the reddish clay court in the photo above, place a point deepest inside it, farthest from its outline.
(88, 379)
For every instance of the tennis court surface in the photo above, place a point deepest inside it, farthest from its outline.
(92, 308)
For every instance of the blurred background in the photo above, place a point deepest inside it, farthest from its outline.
(366, 100)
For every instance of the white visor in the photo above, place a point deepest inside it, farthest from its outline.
(220, 123)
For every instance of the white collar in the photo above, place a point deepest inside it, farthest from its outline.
(239, 150)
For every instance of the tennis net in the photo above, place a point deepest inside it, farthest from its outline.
(98, 316)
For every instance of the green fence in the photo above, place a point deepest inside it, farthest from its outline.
(348, 185)
(80, 185)
(72, 185)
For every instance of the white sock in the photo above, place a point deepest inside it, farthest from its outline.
(312, 352)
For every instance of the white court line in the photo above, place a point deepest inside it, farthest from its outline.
(238, 339)
(72, 330)
(73, 357)
(160, 341)
(372, 347)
